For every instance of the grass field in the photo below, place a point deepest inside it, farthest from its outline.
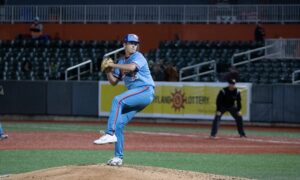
(258, 166)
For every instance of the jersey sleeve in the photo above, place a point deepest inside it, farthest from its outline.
(117, 73)
(139, 60)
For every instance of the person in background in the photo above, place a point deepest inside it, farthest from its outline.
(36, 28)
(157, 72)
(259, 33)
(171, 73)
(229, 99)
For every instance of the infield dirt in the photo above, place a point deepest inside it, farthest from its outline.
(96, 172)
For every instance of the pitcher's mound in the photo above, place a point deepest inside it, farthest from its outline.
(112, 173)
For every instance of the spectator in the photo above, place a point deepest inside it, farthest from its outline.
(150, 63)
(157, 73)
(171, 73)
(259, 33)
(36, 28)
(161, 63)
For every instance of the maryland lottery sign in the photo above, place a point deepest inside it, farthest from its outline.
(178, 100)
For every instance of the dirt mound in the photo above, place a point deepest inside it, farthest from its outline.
(112, 173)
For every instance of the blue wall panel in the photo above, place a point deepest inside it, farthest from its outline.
(278, 103)
(262, 94)
(85, 98)
(23, 97)
(291, 103)
(59, 98)
(261, 112)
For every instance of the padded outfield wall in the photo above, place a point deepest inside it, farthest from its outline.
(267, 103)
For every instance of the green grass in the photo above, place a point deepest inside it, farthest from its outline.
(94, 128)
(49, 127)
(258, 166)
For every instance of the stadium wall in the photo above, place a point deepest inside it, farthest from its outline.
(270, 103)
(275, 103)
(152, 34)
(49, 98)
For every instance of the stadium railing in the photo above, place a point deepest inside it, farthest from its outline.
(152, 13)
(212, 69)
(296, 80)
(78, 70)
(248, 55)
(288, 48)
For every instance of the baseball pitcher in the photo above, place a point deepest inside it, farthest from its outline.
(134, 70)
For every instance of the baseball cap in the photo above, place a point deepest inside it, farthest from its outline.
(131, 38)
(231, 81)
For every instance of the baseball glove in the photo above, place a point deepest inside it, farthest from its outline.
(105, 62)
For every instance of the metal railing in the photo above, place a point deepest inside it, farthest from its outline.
(197, 68)
(249, 52)
(114, 52)
(152, 13)
(288, 48)
(78, 70)
(294, 80)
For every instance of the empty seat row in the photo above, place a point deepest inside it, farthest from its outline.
(48, 59)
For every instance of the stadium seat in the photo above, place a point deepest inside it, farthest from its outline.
(50, 58)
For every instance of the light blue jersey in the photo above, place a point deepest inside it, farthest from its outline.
(139, 95)
(139, 78)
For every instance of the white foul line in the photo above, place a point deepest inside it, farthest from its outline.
(266, 141)
(198, 136)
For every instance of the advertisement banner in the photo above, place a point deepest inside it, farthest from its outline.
(178, 100)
